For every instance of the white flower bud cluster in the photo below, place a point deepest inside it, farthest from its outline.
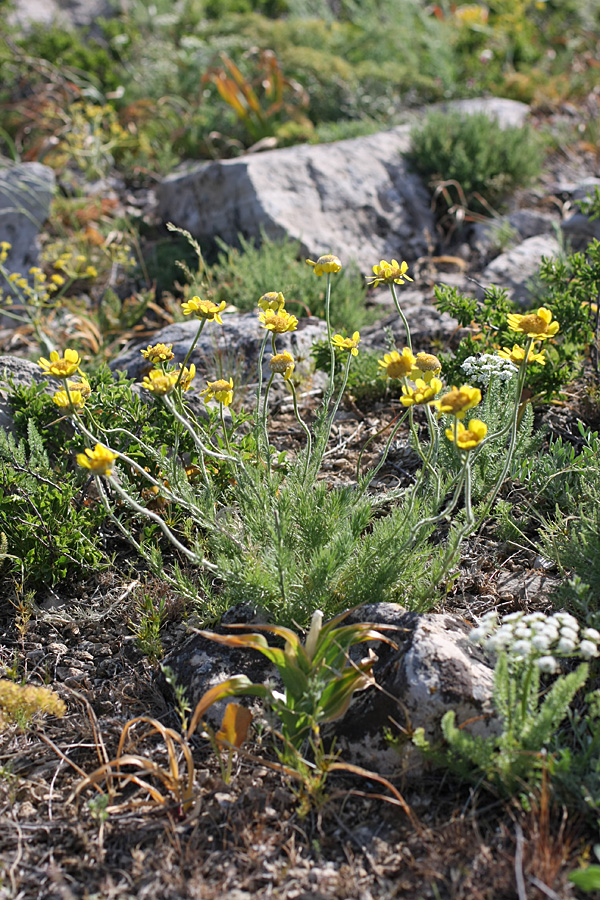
(481, 369)
(536, 637)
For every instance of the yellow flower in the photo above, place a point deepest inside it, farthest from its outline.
(91, 272)
(326, 265)
(422, 392)
(389, 273)
(535, 325)
(4, 248)
(283, 363)
(458, 402)
(593, 307)
(160, 383)
(467, 438)
(82, 386)
(273, 300)
(61, 366)
(517, 355)
(278, 322)
(204, 309)
(427, 366)
(158, 353)
(398, 365)
(57, 280)
(187, 377)
(99, 460)
(350, 344)
(220, 390)
(20, 702)
(61, 398)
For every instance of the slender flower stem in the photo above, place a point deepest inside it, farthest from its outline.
(265, 423)
(209, 451)
(329, 393)
(371, 475)
(402, 316)
(225, 436)
(324, 439)
(305, 428)
(190, 351)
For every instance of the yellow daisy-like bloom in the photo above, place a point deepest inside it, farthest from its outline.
(160, 382)
(535, 325)
(517, 355)
(4, 248)
(398, 365)
(58, 280)
(220, 390)
(283, 363)
(422, 392)
(204, 309)
(61, 366)
(158, 353)
(278, 322)
(185, 382)
(350, 344)
(61, 398)
(458, 401)
(326, 265)
(99, 460)
(273, 300)
(389, 273)
(427, 366)
(467, 438)
(82, 386)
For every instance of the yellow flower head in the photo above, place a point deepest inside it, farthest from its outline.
(427, 366)
(350, 344)
(61, 366)
(204, 309)
(57, 279)
(22, 701)
(398, 365)
(458, 401)
(99, 460)
(158, 353)
(4, 248)
(273, 300)
(517, 355)
(326, 265)
(283, 363)
(467, 438)
(220, 390)
(389, 273)
(278, 322)
(188, 375)
(422, 392)
(83, 387)
(159, 382)
(61, 398)
(535, 325)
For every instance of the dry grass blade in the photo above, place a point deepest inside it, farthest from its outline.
(373, 776)
(177, 784)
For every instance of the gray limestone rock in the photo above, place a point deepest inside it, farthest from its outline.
(426, 323)
(26, 191)
(515, 268)
(21, 373)
(65, 13)
(579, 231)
(355, 198)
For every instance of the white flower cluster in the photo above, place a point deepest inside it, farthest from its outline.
(536, 637)
(481, 369)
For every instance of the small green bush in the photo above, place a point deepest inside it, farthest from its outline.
(476, 152)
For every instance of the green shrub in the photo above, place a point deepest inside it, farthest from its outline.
(473, 150)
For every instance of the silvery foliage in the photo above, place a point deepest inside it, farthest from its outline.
(536, 637)
(482, 368)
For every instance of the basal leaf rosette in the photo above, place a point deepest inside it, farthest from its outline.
(538, 326)
(61, 366)
(398, 365)
(458, 401)
(468, 438)
(346, 343)
(326, 265)
(99, 460)
(389, 273)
